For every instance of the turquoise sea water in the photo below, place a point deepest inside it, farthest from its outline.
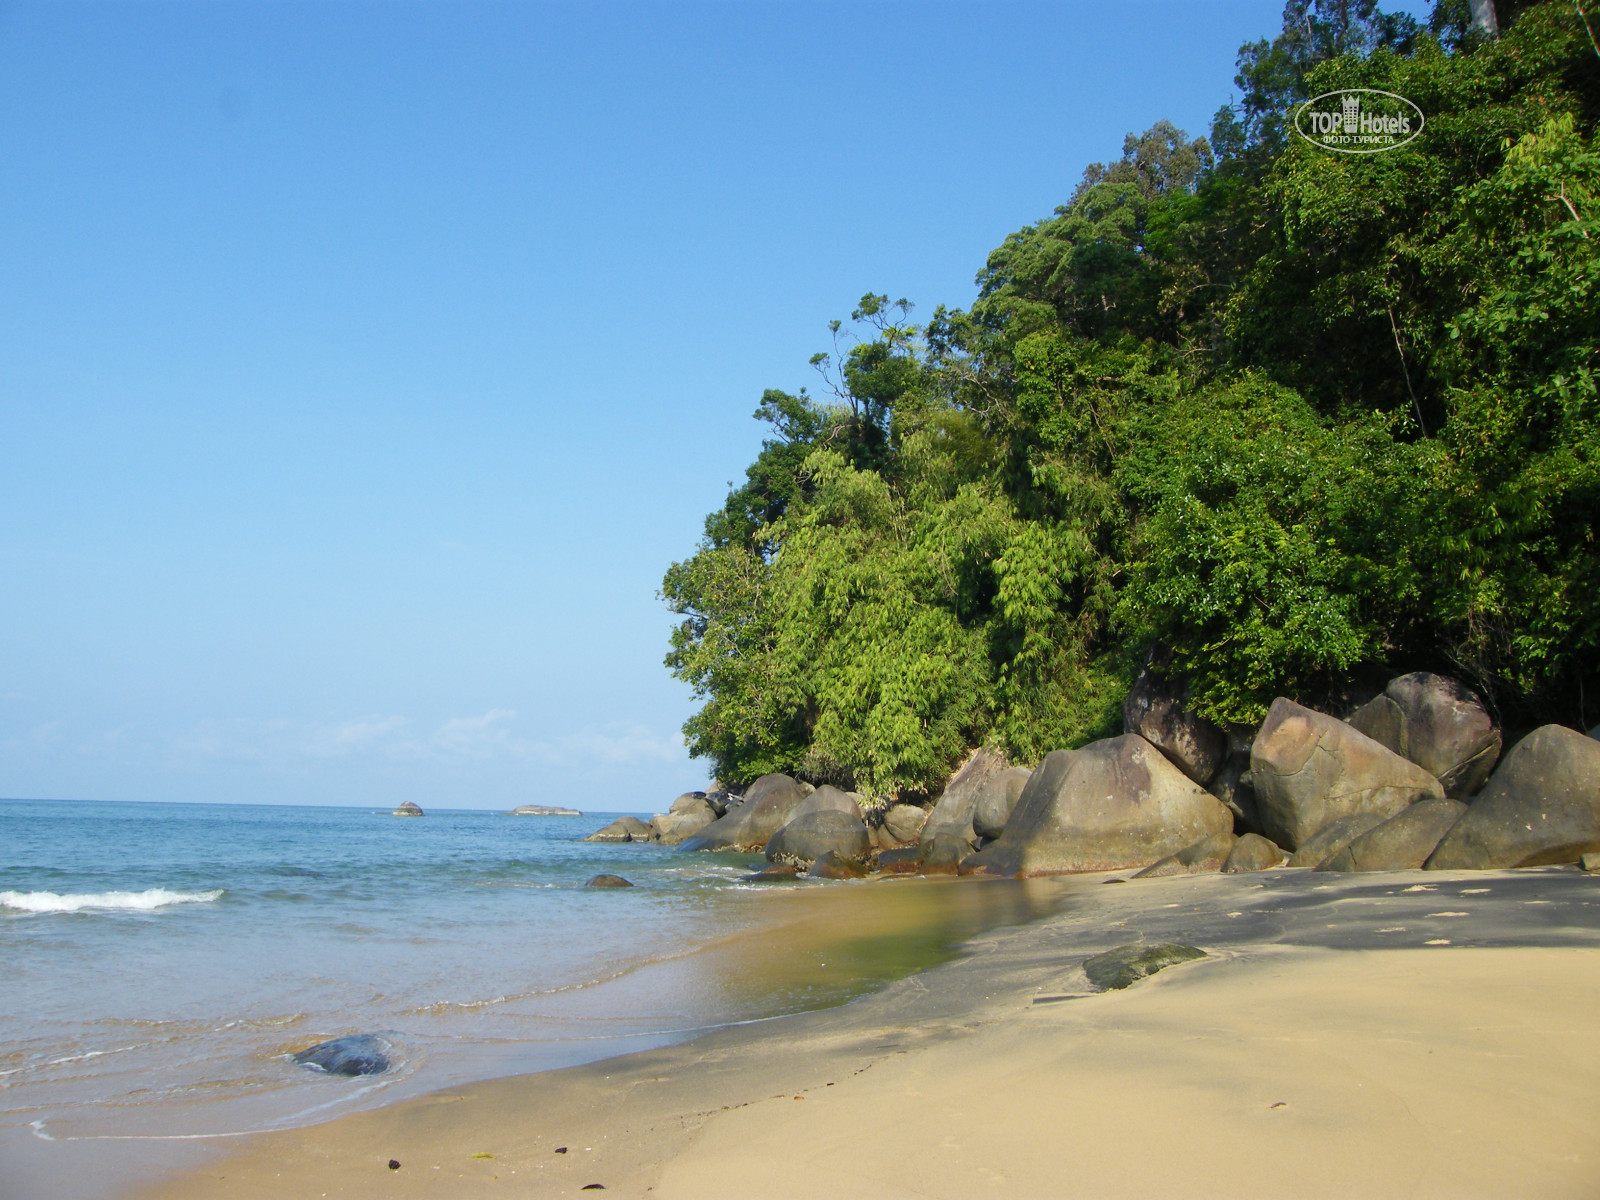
(161, 960)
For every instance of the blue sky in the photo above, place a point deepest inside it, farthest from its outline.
(364, 365)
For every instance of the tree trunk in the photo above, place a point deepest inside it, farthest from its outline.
(1483, 17)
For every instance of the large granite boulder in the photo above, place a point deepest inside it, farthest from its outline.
(1402, 843)
(995, 802)
(1252, 852)
(1439, 724)
(623, 829)
(809, 836)
(1112, 804)
(1309, 769)
(902, 824)
(683, 822)
(828, 798)
(749, 825)
(720, 798)
(1157, 711)
(950, 822)
(1542, 805)
(834, 866)
(1334, 837)
(1205, 857)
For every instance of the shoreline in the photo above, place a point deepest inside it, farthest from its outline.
(1430, 1031)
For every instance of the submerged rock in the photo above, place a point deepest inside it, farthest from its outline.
(608, 881)
(834, 866)
(1126, 965)
(773, 873)
(409, 809)
(353, 1054)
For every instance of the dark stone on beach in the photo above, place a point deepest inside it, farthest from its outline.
(808, 837)
(1112, 804)
(608, 881)
(1205, 857)
(561, 1149)
(1332, 838)
(354, 1054)
(409, 809)
(394, 1164)
(1309, 769)
(1402, 843)
(773, 873)
(1126, 965)
(1541, 806)
(1439, 724)
(834, 866)
(768, 804)
(997, 801)
(623, 829)
(1157, 711)
(1252, 852)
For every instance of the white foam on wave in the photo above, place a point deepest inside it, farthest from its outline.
(55, 902)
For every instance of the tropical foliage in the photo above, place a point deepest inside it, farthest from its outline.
(1272, 416)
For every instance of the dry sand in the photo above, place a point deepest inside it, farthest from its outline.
(1347, 1038)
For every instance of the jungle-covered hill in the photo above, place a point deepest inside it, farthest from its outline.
(1274, 419)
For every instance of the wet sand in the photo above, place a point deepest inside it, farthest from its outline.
(1411, 1035)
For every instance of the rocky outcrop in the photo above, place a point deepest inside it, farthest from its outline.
(1252, 852)
(689, 815)
(354, 1054)
(1309, 769)
(1126, 965)
(1542, 805)
(749, 825)
(1402, 843)
(608, 881)
(1157, 711)
(825, 831)
(902, 824)
(996, 801)
(1112, 804)
(833, 866)
(1437, 723)
(1333, 837)
(950, 823)
(623, 829)
(408, 809)
(1205, 857)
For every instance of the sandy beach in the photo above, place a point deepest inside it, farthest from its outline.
(1409, 1035)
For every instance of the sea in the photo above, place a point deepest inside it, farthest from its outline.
(161, 964)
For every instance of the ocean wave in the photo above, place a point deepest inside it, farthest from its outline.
(55, 902)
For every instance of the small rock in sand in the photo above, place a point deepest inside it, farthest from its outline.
(1126, 965)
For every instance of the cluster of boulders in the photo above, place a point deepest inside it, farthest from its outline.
(1413, 778)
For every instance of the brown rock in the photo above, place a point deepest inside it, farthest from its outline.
(1112, 804)
(1205, 857)
(1541, 806)
(1157, 711)
(1252, 852)
(832, 866)
(1333, 837)
(1402, 843)
(902, 823)
(1310, 769)
(1437, 723)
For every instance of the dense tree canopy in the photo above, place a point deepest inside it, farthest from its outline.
(1273, 417)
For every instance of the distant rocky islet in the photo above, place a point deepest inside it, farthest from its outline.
(1414, 778)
